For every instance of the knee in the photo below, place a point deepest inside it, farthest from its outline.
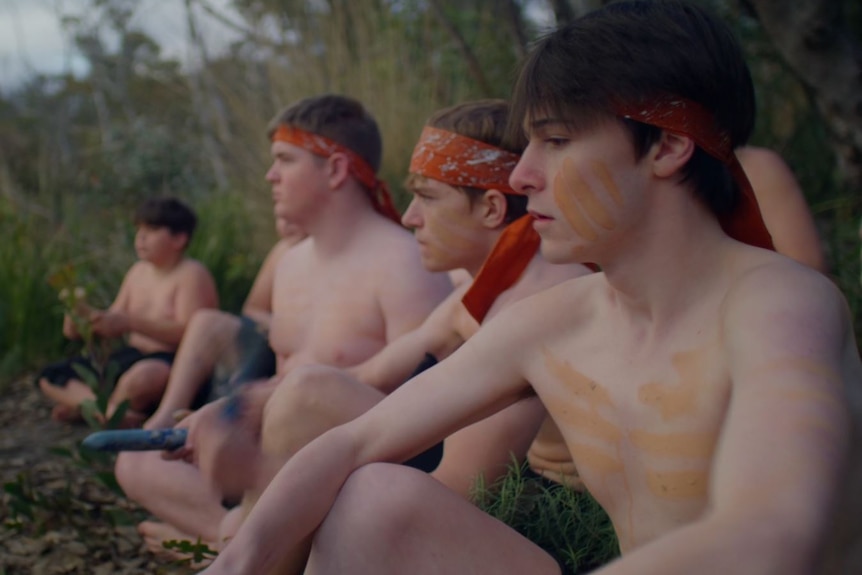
(301, 394)
(205, 320)
(379, 500)
(143, 380)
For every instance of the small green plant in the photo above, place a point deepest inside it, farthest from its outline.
(568, 524)
(101, 374)
(196, 552)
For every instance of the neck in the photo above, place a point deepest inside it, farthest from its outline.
(168, 264)
(666, 264)
(482, 254)
(348, 211)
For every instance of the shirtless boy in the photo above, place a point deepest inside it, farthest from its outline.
(354, 284)
(462, 205)
(215, 338)
(158, 296)
(699, 381)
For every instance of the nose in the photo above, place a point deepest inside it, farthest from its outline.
(526, 177)
(271, 175)
(412, 217)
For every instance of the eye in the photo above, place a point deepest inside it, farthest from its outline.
(556, 141)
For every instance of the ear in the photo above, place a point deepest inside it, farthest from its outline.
(491, 209)
(180, 241)
(671, 153)
(337, 170)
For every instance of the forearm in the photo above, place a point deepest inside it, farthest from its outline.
(752, 545)
(292, 507)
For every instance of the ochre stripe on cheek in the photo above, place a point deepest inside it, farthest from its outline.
(587, 197)
(604, 175)
(565, 199)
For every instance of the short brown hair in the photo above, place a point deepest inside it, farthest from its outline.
(341, 119)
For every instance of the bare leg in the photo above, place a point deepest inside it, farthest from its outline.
(155, 534)
(209, 336)
(394, 519)
(142, 385)
(306, 403)
(173, 491)
(67, 398)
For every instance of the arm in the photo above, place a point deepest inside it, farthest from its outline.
(394, 364)
(488, 447)
(783, 206)
(785, 439)
(258, 304)
(408, 293)
(414, 417)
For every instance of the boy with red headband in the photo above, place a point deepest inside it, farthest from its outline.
(700, 380)
(355, 283)
(466, 216)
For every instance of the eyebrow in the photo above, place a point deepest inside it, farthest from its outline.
(536, 125)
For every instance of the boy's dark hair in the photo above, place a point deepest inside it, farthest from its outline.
(339, 118)
(635, 52)
(483, 120)
(165, 212)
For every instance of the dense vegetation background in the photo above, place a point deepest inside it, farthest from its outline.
(77, 154)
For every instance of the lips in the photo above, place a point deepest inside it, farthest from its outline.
(539, 216)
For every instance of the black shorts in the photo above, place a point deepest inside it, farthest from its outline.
(117, 363)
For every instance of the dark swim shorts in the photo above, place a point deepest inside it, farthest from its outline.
(429, 459)
(256, 360)
(118, 363)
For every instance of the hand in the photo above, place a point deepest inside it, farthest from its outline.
(227, 453)
(109, 323)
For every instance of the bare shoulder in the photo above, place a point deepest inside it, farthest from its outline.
(193, 269)
(779, 307)
(768, 172)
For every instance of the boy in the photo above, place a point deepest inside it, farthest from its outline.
(215, 339)
(698, 381)
(354, 284)
(158, 296)
(462, 209)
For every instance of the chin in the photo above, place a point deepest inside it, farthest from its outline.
(562, 253)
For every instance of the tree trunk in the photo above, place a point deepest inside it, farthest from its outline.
(813, 40)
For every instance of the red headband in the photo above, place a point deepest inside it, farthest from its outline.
(460, 161)
(359, 168)
(690, 119)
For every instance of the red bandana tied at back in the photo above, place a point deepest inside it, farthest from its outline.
(460, 161)
(688, 118)
(359, 168)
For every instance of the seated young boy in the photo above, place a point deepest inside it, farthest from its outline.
(700, 381)
(339, 296)
(158, 296)
(218, 348)
(465, 215)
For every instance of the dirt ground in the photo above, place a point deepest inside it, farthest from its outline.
(76, 524)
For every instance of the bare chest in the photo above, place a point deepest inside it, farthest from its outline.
(641, 431)
(154, 299)
(333, 318)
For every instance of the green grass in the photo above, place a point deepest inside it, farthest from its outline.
(568, 524)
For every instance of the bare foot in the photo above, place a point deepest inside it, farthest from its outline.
(155, 534)
(66, 414)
